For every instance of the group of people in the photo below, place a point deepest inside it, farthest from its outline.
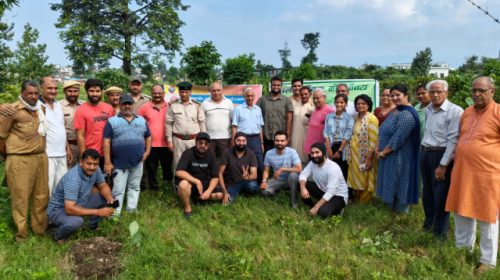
(325, 154)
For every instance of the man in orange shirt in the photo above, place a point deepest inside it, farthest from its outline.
(475, 188)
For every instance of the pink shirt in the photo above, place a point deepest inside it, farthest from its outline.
(315, 127)
(156, 121)
(93, 119)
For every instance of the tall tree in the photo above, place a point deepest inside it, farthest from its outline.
(310, 42)
(239, 70)
(95, 31)
(30, 60)
(421, 63)
(284, 55)
(200, 63)
(6, 35)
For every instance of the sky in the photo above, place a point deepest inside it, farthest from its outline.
(352, 32)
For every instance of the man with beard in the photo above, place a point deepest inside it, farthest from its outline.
(127, 143)
(241, 164)
(22, 141)
(57, 148)
(185, 119)
(154, 113)
(328, 185)
(90, 119)
(218, 111)
(69, 105)
(140, 99)
(113, 94)
(286, 165)
(196, 175)
(277, 110)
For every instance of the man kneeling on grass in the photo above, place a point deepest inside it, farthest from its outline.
(73, 198)
(196, 175)
(328, 185)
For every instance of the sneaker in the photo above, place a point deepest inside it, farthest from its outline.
(188, 215)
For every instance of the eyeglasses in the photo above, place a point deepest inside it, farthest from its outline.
(480, 90)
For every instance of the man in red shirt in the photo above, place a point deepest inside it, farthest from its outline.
(91, 117)
(154, 113)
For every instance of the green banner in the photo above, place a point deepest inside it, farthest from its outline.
(369, 87)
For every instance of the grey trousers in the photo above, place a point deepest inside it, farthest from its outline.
(291, 183)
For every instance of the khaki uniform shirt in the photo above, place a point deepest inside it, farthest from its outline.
(141, 101)
(69, 117)
(20, 132)
(185, 119)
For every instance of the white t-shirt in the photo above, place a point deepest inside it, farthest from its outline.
(219, 116)
(56, 132)
(328, 178)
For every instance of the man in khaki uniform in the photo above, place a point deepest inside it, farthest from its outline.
(22, 140)
(69, 105)
(135, 86)
(113, 94)
(185, 118)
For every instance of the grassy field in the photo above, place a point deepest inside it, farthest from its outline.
(256, 238)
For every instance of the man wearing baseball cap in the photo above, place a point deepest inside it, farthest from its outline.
(127, 143)
(196, 175)
(135, 86)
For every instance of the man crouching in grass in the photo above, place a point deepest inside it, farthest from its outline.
(328, 185)
(73, 198)
(196, 175)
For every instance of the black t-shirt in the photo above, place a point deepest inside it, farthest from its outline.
(234, 165)
(203, 167)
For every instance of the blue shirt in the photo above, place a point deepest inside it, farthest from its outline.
(248, 119)
(342, 126)
(127, 140)
(288, 159)
(76, 186)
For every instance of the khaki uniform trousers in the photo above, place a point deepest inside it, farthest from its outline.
(74, 153)
(179, 147)
(27, 178)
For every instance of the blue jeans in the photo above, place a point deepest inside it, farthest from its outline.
(127, 180)
(250, 187)
(67, 225)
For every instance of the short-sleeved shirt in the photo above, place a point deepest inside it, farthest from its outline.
(155, 117)
(127, 140)
(274, 112)
(143, 99)
(202, 167)
(218, 117)
(69, 116)
(76, 186)
(288, 159)
(234, 165)
(20, 131)
(248, 119)
(93, 119)
(184, 119)
(56, 132)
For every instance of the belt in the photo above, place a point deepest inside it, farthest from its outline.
(433, 149)
(72, 142)
(252, 135)
(185, 136)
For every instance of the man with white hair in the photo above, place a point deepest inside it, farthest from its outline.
(317, 120)
(350, 108)
(436, 156)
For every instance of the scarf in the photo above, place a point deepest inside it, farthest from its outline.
(364, 144)
(42, 122)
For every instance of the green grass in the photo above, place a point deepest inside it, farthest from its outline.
(256, 238)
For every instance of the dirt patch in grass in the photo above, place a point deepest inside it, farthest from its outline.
(96, 258)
